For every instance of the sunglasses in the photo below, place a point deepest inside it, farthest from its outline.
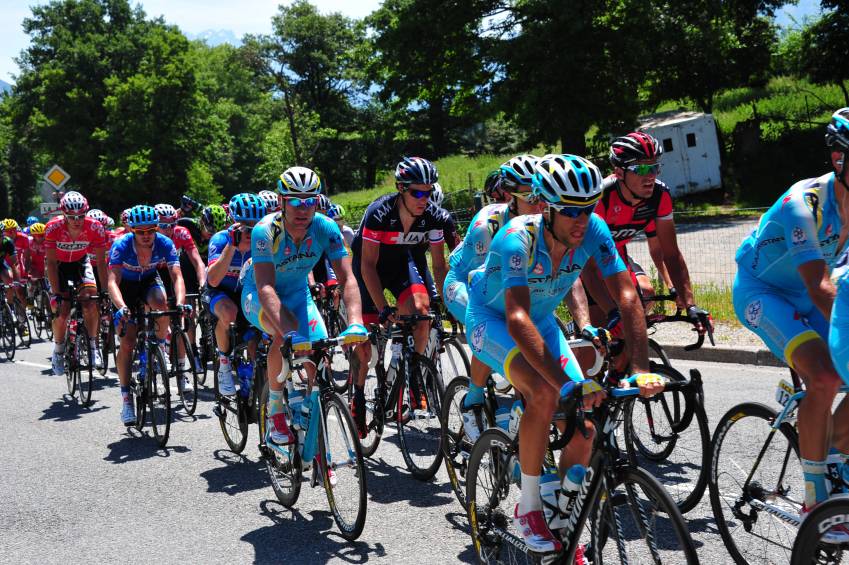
(573, 211)
(144, 231)
(419, 194)
(644, 170)
(75, 217)
(165, 226)
(526, 196)
(299, 202)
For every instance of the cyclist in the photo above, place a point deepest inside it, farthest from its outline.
(272, 202)
(134, 261)
(8, 266)
(783, 293)
(635, 200)
(492, 188)
(12, 231)
(276, 298)
(229, 250)
(30, 221)
(532, 263)
(68, 239)
(336, 212)
(437, 197)
(36, 253)
(124, 227)
(101, 217)
(194, 271)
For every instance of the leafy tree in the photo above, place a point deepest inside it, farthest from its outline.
(826, 44)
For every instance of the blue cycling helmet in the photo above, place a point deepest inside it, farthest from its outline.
(32, 220)
(246, 207)
(837, 130)
(519, 170)
(142, 216)
(566, 180)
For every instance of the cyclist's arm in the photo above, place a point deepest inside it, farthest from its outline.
(633, 318)
(440, 267)
(114, 289)
(216, 272)
(52, 265)
(102, 267)
(350, 290)
(176, 275)
(368, 265)
(576, 302)
(656, 254)
(822, 291)
(593, 284)
(520, 326)
(271, 306)
(197, 263)
(674, 260)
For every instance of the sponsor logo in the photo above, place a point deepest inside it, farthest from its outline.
(479, 247)
(538, 269)
(832, 521)
(452, 291)
(295, 257)
(624, 233)
(72, 245)
(799, 236)
(477, 336)
(828, 230)
(516, 262)
(261, 245)
(754, 311)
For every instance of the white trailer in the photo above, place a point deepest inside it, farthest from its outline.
(690, 161)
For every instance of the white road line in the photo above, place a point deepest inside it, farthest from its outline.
(31, 364)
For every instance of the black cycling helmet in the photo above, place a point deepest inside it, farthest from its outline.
(636, 146)
(416, 170)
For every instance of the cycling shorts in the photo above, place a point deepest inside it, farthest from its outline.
(190, 277)
(78, 272)
(455, 293)
(491, 343)
(134, 292)
(211, 297)
(299, 302)
(783, 319)
(838, 336)
(323, 272)
(401, 282)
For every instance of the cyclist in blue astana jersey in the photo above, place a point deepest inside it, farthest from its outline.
(133, 278)
(285, 246)
(783, 293)
(229, 250)
(531, 265)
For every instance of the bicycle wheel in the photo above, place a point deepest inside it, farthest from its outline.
(37, 315)
(419, 428)
(71, 367)
(675, 448)
(159, 395)
(7, 332)
(492, 495)
(186, 378)
(48, 314)
(141, 397)
(812, 544)
(754, 473)
(23, 324)
(339, 358)
(636, 521)
(283, 462)
(375, 393)
(345, 476)
(453, 361)
(84, 364)
(658, 354)
(206, 349)
(232, 418)
(455, 443)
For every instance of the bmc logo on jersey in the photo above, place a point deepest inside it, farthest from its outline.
(624, 233)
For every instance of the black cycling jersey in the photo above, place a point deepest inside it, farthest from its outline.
(7, 249)
(194, 229)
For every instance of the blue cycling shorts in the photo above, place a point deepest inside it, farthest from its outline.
(491, 343)
(838, 336)
(455, 294)
(783, 319)
(299, 302)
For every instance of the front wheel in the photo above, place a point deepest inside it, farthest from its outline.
(417, 413)
(159, 395)
(283, 462)
(636, 521)
(232, 417)
(84, 364)
(344, 470)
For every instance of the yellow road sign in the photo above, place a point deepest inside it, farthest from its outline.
(57, 177)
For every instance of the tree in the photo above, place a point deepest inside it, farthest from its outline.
(826, 48)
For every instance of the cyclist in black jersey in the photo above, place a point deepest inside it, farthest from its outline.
(8, 265)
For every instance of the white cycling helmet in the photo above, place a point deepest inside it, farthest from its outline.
(299, 181)
(167, 213)
(566, 180)
(437, 196)
(98, 215)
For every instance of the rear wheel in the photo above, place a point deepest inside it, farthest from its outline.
(71, 365)
(232, 418)
(813, 544)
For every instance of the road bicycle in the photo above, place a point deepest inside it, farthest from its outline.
(79, 356)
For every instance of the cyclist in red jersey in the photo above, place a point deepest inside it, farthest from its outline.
(68, 239)
(13, 232)
(101, 217)
(634, 200)
(36, 256)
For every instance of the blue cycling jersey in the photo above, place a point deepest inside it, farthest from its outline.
(123, 255)
(802, 226)
(471, 253)
(217, 244)
(518, 256)
(292, 263)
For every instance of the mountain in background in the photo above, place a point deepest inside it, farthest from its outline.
(213, 37)
(5, 87)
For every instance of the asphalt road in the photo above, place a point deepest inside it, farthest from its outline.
(76, 486)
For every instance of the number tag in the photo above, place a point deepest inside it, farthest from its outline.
(784, 392)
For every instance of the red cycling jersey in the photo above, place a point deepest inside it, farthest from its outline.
(626, 219)
(36, 256)
(182, 239)
(92, 237)
(110, 239)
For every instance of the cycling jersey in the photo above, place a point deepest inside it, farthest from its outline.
(216, 247)
(626, 219)
(518, 256)
(769, 295)
(838, 336)
(193, 227)
(123, 256)
(8, 254)
(91, 238)
(182, 240)
(110, 239)
(37, 257)
(21, 247)
(470, 255)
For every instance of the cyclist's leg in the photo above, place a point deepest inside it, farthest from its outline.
(156, 299)
(66, 272)
(84, 278)
(414, 298)
(456, 296)
(130, 292)
(795, 332)
(225, 312)
(359, 361)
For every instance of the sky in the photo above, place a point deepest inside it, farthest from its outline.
(244, 16)
(192, 16)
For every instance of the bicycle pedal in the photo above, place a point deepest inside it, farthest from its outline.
(216, 410)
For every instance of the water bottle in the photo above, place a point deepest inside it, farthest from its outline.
(432, 341)
(312, 431)
(502, 418)
(549, 488)
(516, 412)
(296, 402)
(516, 470)
(245, 372)
(569, 491)
(392, 372)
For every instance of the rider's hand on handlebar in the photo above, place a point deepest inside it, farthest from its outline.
(353, 334)
(649, 384)
(387, 315)
(121, 316)
(592, 395)
(701, 320)
(599, 337)
(300, 344)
